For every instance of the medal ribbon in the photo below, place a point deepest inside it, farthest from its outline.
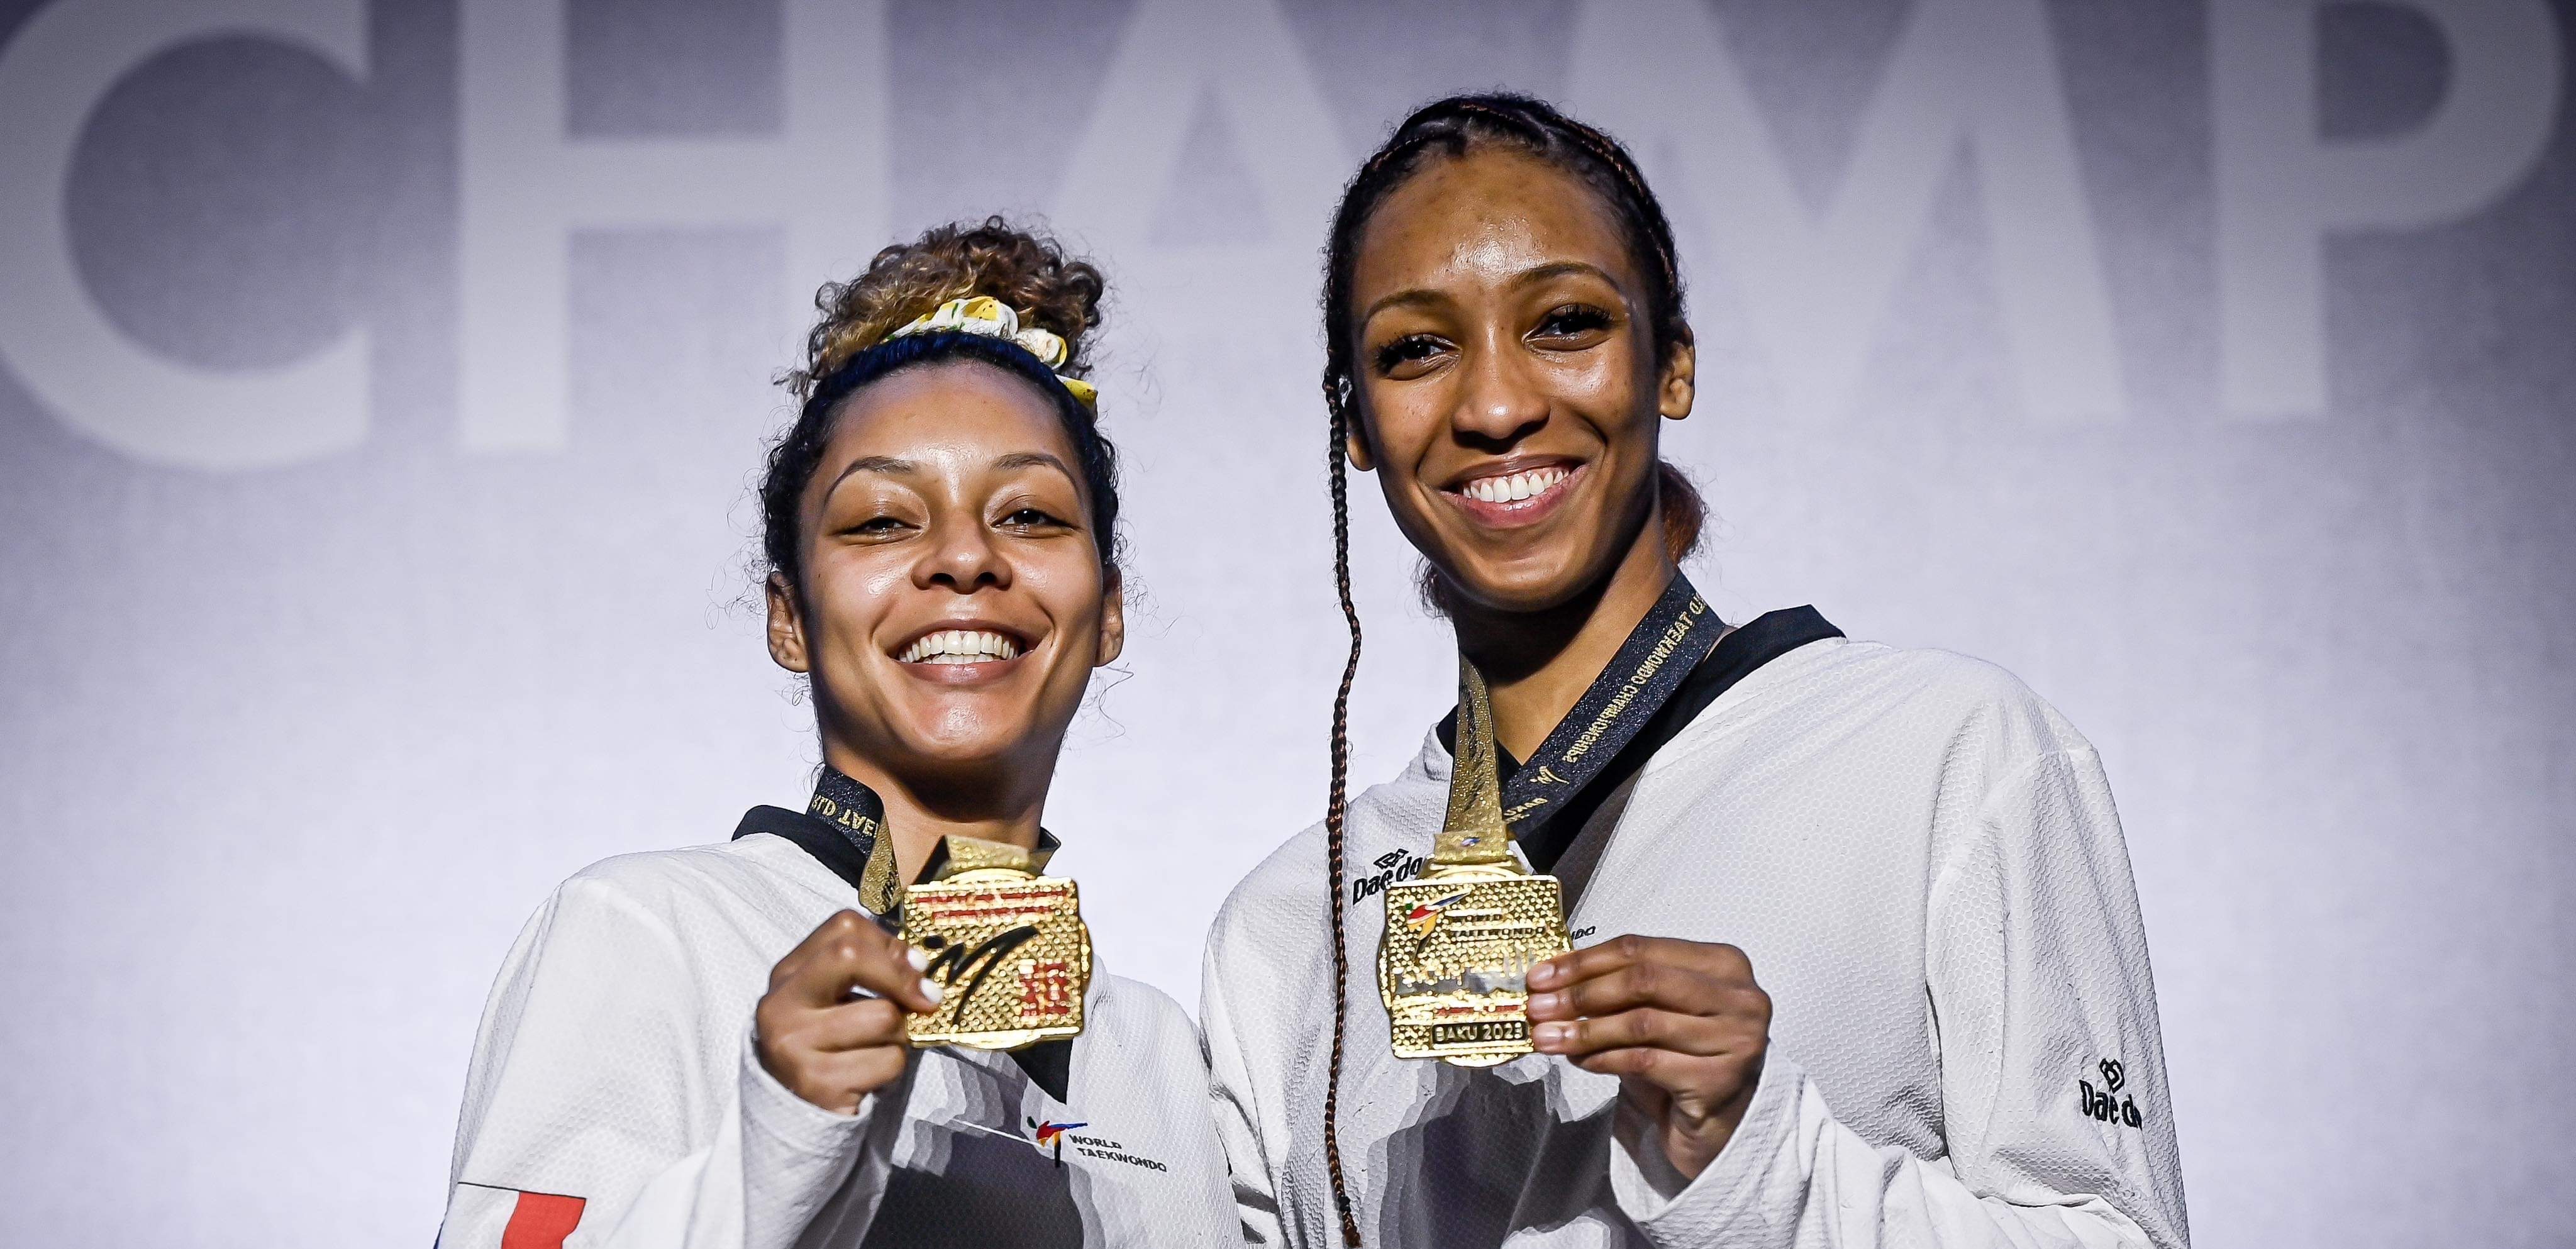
(858, 815)
(1638, 681)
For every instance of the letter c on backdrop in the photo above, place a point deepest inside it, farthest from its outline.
(53, 334)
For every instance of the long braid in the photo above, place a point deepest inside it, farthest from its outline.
(1450, 128)
(1334, 805)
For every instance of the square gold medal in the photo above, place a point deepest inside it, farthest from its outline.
(1011, 952)
(1454, 963)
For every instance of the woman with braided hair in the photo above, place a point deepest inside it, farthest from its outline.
(1855, 955)
(708, 1047)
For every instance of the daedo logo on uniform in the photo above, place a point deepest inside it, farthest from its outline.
(2098, 1105)
(1394, 865)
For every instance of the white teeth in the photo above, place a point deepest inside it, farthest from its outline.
(959, 646)
(1516, 486)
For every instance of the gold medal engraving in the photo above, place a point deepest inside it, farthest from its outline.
(1453, 963)
(1006, 944)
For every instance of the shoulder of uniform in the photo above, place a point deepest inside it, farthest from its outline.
(1967, 700)
(1288, 878)
(1144, 1003)
(658, 883)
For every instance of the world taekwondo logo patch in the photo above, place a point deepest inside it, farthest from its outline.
(1053, 1135)
(2099, 1104)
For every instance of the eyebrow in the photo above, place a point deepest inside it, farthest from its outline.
(1420, 296)
(872, 464)
(907, 468)
(1563, 269)
(1033, 459)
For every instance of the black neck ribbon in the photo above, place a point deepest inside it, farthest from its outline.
(1673, 665)
(1661, 650)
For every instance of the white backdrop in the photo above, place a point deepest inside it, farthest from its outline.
(380, 389)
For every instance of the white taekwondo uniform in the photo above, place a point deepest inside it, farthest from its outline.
(615, 1097)
(1922, 861)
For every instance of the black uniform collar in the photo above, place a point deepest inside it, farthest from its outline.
(1735, 657)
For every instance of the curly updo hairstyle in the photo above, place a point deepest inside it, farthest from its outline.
(848, 349)
(1447, 130)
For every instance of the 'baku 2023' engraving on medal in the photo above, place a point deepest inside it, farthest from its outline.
(1453, 966)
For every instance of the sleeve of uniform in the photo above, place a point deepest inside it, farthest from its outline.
(1238, 1117)
(595, 1114)
(2053, 1090)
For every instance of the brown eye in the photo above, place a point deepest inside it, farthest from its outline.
(876, 527)
(1033, 518)
(1572, 321)
(1412, 349)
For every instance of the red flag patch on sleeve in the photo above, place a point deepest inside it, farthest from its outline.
(541, 1221)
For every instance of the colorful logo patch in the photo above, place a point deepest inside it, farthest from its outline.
(1425, 917)
(1049, 1130)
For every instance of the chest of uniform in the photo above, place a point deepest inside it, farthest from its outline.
(977, 1108)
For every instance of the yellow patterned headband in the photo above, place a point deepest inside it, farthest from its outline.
(987, 317)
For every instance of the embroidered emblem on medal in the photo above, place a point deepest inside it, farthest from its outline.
(1422, 919)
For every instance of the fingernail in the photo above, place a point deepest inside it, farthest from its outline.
(1543, 974)
(930, 989)
(1553, 1033)
(1545, 1001)
(913, 954)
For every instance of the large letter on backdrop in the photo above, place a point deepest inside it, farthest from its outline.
(1174, 56)
(55, 336)
(2282, 189)
(1974, 74)
(527, 187)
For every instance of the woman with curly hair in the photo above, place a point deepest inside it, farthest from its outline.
(710, 1046)
(1855, 958)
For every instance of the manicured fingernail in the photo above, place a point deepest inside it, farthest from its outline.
(930, 989)
(1552, 1034)
(913, 955)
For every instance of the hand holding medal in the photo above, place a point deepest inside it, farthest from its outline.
(981, 952)
(824, 1044)
(1681, 1023)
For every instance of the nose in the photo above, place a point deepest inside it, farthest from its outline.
(1499, 401)
(961, 557)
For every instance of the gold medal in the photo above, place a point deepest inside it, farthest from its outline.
(1006, 944)
(1453, 964)
(1460, 939)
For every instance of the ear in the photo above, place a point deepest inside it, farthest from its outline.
(786, 626)
(1355, 445)
(1679, 385)
(1113, 620)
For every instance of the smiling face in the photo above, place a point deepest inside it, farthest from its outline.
(1507, 379)
(954, 599)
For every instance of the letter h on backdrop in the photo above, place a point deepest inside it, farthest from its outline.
(527, 188)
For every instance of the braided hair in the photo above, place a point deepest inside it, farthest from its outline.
(1447, 130)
